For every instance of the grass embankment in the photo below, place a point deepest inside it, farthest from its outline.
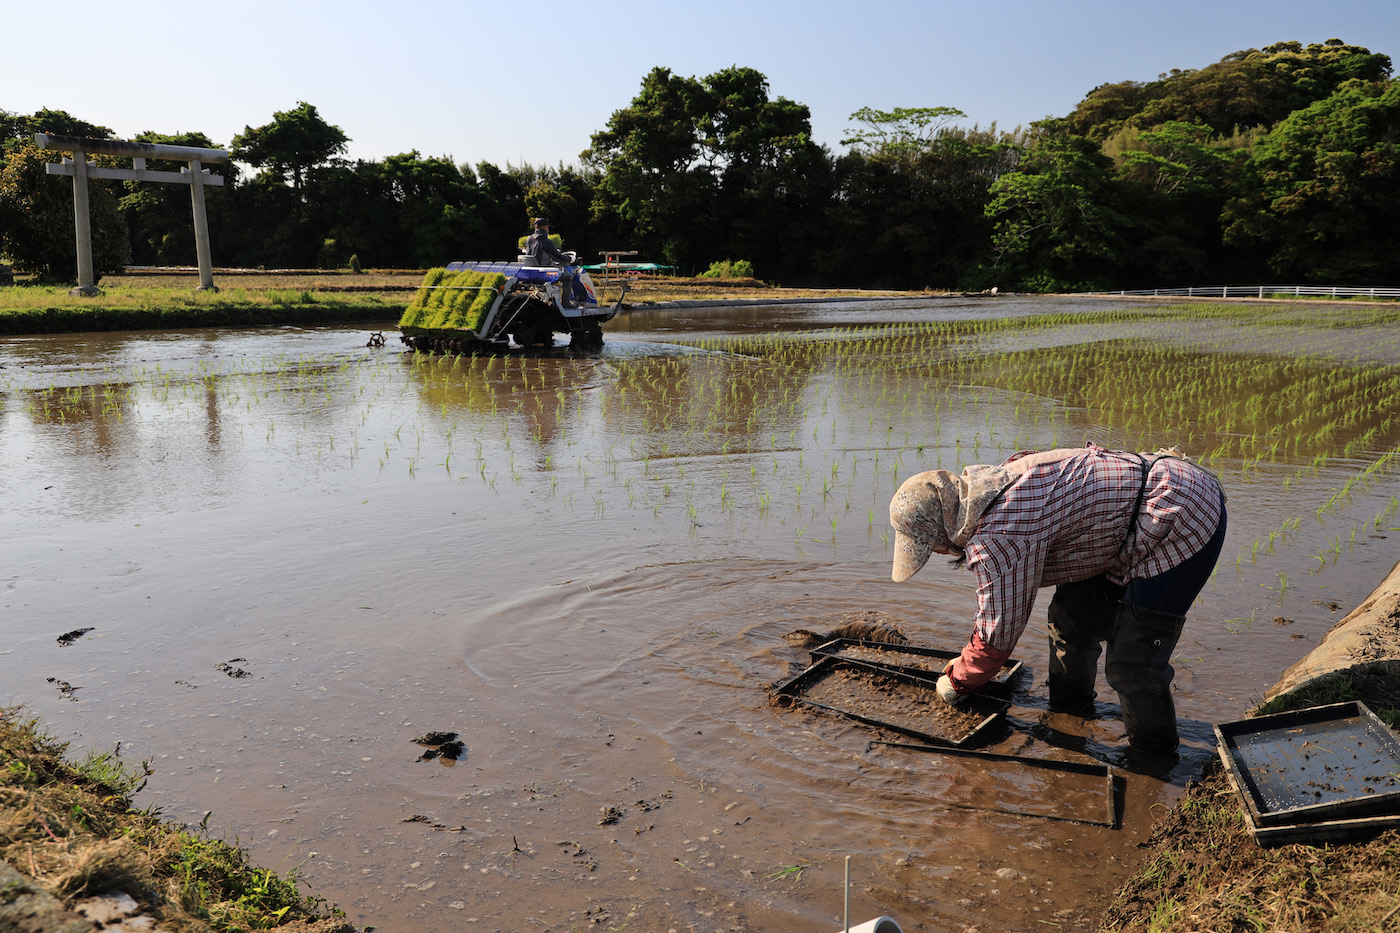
(70, 830)
(149, 301)
(1205, 874)
(33, 309)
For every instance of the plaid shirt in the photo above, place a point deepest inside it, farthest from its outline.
(1067, 520)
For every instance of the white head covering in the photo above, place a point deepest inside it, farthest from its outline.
(939, 510)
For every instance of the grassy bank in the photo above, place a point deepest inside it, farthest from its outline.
(158, 302)
(1205, 874)
(32, 309)
(70, 831)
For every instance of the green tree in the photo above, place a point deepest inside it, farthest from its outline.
(439, 210)
(1057, 222)
(899, 133)
(159, 215)
(564, 195)
(647, 156)
(1323, 189)
(36, 220)
(1173, 182)
(292, 144)
(504, 211)
(910, 208)
(680, 166)
(1250, 88)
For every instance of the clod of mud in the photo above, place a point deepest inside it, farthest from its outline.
(433, 824)
(65, 689)
(447, 751)
(67, 638)
(871, 625)
(610, 816)
(228, 667)
(442, 745)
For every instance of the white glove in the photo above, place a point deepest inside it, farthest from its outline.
(948, 693)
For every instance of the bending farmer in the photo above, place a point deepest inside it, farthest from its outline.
(543, 252)
(1127, 540)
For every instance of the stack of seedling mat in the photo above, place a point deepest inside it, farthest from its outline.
(1328, 773)
(895, 687)
(451, 303)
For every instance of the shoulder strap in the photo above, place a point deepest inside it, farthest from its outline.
(1146, 466)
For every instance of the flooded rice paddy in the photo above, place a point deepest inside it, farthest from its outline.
(297, 554)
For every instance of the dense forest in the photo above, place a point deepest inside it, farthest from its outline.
(1273, 164)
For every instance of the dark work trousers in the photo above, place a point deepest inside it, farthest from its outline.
(1140, 624)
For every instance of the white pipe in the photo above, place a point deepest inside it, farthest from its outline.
(878, 925)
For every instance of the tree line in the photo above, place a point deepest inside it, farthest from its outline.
(1273, 164)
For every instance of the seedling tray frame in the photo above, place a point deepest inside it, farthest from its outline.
(990, 704)
(1313, 773)
(844, 647)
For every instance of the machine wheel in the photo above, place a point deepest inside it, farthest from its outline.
(534, 334)
(588, 337)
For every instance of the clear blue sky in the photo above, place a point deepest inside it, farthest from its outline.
(513, 83)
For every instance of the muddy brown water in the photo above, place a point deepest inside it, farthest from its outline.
(586, 567)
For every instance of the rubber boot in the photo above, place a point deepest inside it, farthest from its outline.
(1081, 616)
(1139, 669)
(1072, 671)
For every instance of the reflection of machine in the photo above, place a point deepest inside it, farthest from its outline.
(484, 306)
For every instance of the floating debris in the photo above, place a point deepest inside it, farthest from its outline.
(228, 667)
(433, 824)
(67, 638)
(65, 689)
(435, 738)
(442, 745)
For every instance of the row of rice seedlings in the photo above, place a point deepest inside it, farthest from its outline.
(890, 399)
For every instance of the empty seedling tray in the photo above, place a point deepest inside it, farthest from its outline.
(913, 660)
(1324, 764)
(893, 700)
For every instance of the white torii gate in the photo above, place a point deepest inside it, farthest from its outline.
(196, 176)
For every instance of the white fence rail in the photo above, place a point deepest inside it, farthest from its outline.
(1260, 291)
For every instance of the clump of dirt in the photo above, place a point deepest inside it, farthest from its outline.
(235, 672)
(1204, 872)
(871, 625)
(65, 689)
(444, 745)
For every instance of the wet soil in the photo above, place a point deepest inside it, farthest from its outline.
(899, 703)
(587, 567)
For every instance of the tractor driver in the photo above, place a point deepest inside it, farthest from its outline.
(543, 252)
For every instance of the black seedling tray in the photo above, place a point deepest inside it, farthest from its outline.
(903, 659)
(1324, 764)
(986, 707)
